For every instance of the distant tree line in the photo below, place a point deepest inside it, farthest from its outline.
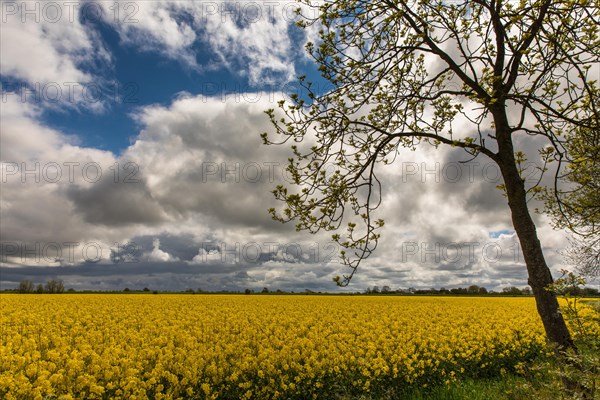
(475, 290)
(143, 290)
(57, 286)
(51, 286)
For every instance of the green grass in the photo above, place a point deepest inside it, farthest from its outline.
(539, 381)
(479, 389)
(507, 387)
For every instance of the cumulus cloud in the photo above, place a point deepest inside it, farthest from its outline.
(196, 158)
(193, 176)
(158, 255)
(37, 164)
(195, 213)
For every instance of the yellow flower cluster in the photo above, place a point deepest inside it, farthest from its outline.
(138, 346)
(581, 316)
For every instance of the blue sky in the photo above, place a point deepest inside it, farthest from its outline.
(146, 167)
(141, 75)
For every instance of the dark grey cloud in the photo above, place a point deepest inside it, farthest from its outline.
(173, 276)
(240, 203)
(183, 247)
(118, 203)
(487, 203)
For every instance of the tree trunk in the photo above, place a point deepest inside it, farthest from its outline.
(538, 272)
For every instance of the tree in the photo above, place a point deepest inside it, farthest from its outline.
(473, 289)
(39, 288)
(25, 286)
(576, 205)
(512, 291)
(54, 286)
(508, 69)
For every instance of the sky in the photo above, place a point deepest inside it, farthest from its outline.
(131, 157)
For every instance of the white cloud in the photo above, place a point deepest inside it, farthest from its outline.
(47, 47)
(158, 255)
(251, 39)
(154, 26)
(257, 40)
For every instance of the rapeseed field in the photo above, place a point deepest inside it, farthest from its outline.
(168, 346)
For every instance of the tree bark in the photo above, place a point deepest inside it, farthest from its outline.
(538, 272)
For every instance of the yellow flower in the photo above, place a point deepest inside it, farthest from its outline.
(211, 346)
